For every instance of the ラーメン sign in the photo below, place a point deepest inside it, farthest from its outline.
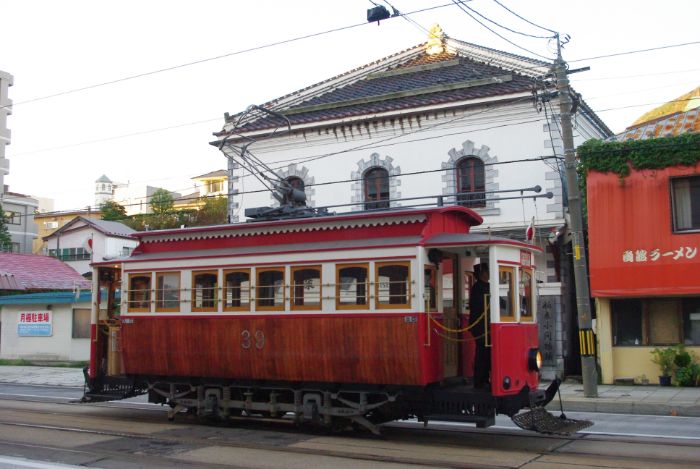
(35, 324)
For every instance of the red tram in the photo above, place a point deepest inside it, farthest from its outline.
(355, 318)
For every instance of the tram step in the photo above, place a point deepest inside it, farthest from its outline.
(541, 421)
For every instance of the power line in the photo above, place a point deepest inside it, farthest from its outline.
(411, 21)
(160, 129)
(524, 19)
(505, 27)
(345, 181)
(209, 59)
(641, 75)
(465, 9)
(115, 137)
(176, 126)
(617, 54)
(667, 85)
(646, 104)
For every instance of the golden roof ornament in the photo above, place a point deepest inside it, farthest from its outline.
(436, 40)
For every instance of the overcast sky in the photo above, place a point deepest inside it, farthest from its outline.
(61, 145)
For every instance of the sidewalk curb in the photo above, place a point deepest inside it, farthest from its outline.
(637, 408)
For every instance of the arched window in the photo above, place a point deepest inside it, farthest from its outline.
(376, 187)
(471, 182)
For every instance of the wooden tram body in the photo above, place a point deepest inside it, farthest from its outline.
(356, 317)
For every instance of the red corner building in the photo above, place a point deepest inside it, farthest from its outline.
(643, 200)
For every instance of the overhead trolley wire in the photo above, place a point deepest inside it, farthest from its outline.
(534, 159)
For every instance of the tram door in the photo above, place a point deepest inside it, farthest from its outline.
(451, 299)
(108, 324)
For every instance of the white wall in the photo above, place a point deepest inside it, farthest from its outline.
(509, 134)
(102, 246)
(112, 247)
(59, 347)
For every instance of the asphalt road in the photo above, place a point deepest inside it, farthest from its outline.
(604, 424)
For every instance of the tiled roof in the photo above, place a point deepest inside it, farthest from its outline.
(683, 103)
(104, 178)
(213, 174)
(33, 272)
(669, 126)
(408, 79)
(188, 197)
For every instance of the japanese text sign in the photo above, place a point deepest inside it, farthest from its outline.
(35, 324)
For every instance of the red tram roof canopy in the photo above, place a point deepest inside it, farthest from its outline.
(397, 227)
(319, 223)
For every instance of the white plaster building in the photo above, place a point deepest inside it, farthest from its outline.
(6, 81)
(104, 190)
(463, 122)
(65, 327)
(84, 240)
(134, 197)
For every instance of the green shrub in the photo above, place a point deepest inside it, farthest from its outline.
(682, 359)
(664, 357)
(688, 375)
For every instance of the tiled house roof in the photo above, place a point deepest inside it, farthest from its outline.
(668, 126)
(33, 272)
(410, 79)
(213, 174)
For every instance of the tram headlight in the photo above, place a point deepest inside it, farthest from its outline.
(534, 360)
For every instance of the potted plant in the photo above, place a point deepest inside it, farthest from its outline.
(664, 357)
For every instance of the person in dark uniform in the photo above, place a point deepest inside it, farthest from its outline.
(482, 359)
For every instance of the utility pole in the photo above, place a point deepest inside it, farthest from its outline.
(583, 301)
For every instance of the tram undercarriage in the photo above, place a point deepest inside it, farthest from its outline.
(335, 407)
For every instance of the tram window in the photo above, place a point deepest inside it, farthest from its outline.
(237, 290)
(351, 286)
(306, 287)
(167, 291)
(526, 295)
(270, 289)
(139, 292)
(430, 293)
(204, 290)
(505, 293)
(392, 284)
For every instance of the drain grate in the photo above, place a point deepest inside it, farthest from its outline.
(541, 421)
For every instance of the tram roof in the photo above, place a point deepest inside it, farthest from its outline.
(470, 215)
(474, 239)
(372, 243)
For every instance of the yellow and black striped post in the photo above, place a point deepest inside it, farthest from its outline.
(587, 342)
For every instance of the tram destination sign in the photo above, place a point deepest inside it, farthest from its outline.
(35, 324)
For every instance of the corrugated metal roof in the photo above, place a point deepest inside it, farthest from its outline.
(109, 228)
(9, 282)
